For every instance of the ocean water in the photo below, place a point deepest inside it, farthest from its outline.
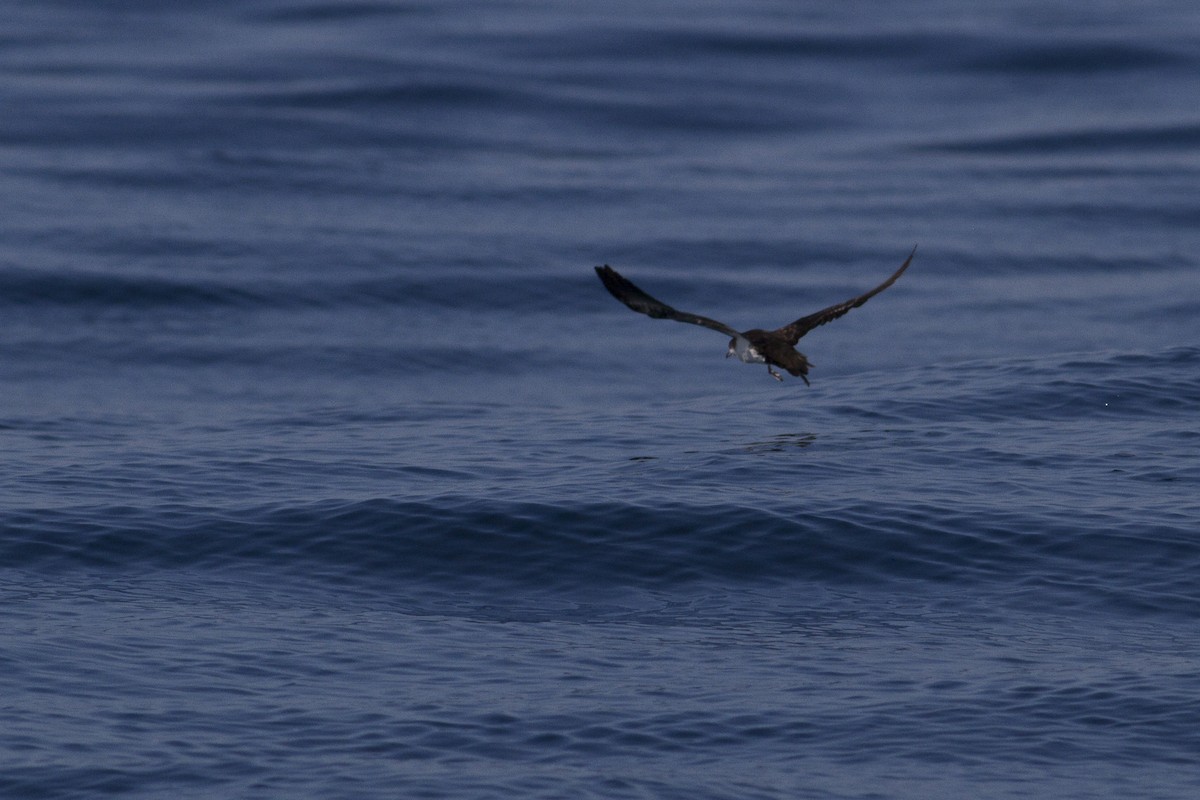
(328, 469)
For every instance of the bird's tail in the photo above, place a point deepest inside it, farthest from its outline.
(798, 365)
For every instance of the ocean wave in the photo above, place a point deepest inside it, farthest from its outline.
(1060, 386)
(31, 289)
(960, 50)
(1136, 138)
(27, 288)
(475, 543)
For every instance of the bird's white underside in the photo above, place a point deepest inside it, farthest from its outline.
(746, 352)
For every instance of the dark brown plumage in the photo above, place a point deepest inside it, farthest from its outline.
(756, 346)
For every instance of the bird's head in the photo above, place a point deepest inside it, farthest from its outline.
(732, 351)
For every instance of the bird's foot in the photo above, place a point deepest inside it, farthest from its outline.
(775, 374)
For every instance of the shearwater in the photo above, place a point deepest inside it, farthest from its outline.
(756, 346)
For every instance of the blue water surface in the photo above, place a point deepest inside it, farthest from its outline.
(328, 468)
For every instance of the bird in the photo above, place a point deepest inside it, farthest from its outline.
(775, 348)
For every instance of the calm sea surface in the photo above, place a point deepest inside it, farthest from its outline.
(328, 469)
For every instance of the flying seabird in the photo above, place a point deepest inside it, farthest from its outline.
(777, 347)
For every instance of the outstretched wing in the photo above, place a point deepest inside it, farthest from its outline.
(622, 289)
(803, 325)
